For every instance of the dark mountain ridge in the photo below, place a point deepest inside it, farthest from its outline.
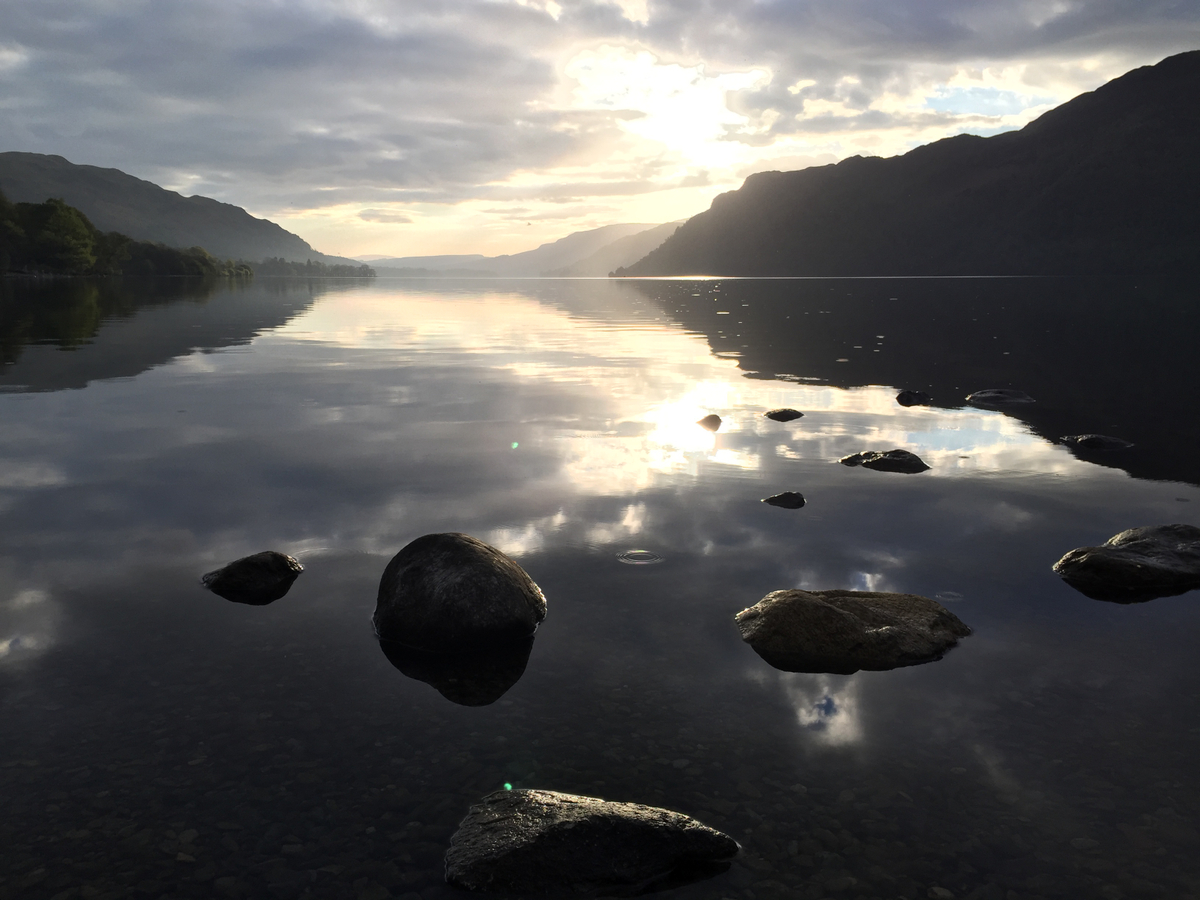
(1105, 182)
(115, 201)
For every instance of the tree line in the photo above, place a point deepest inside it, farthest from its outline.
(277, 265)
(52, 238)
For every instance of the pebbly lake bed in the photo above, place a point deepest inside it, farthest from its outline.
(159, 741)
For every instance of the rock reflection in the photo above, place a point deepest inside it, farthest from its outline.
(470, 677)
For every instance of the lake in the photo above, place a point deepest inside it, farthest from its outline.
(159, 741)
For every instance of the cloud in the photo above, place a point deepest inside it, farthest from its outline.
(386, 216)
(326, 104)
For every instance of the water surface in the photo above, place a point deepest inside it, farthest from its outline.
(159, 741)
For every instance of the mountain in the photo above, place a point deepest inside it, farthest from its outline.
(1105, 182)
(115, 201)
(621, 252)
(543, 260)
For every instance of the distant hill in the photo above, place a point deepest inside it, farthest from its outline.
(1107, 182)
(547, 259)
(621, 252)
(115, 201)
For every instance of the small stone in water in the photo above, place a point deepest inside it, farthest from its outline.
(888, 461)
(998, 397)
(784, 414)
(1095, 442)
(786, 500)
(913, 398)
(710, 422)
(255, 580)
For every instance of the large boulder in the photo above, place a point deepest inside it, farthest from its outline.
(444, 593)
(1136, 565)
(886, 461)
(255, 580)
(471, 678)
(550, 844)
(841, 632)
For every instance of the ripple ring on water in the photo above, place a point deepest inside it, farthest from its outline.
(639, 557)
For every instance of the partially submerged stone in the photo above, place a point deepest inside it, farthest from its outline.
(786, 500)
(1095, 442)
(470, 678)
(543, 843)
(886, 461)
(999, 397)
(784, 414)
(841, 632)
(913, 398)
(1136, 565)
(256, 580)
(445, 593)
(710, 422)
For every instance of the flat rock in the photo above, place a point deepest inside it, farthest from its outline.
(889, 461)
(999, 397)
(785, 500)
(841, 632)
(711, 422)
(784, 414)
(913, 398)
(1136, 565)
(445, 593)
(256, 580)
(545, 843)
(1094, 442)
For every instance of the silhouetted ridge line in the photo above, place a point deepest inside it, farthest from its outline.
(1107, 182)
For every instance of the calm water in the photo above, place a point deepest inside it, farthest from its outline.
(158, 741)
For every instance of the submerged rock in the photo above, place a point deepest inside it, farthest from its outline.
(783, 415)
(1094, 442)
(711, 422)
(889, 461)
(841, 632)
(255, 580)
(1136, 565)
(913, 398)
(786, 500)
(471, 678)
(449, 592)
(546, 843)
(998, 397)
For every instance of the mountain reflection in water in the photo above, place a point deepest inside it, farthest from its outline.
(160, 743)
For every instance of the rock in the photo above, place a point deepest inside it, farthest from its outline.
(913, 398)
(472, 678)
(1136, 565)
(998, 397)
(445, 593)
(256, 580)
(712, 422)
(786, 500)
(783, 415)
(840, 632)
(1094, 442)
(891, 461)
(545, 843)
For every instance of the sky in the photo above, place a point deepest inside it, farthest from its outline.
(386, 128)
